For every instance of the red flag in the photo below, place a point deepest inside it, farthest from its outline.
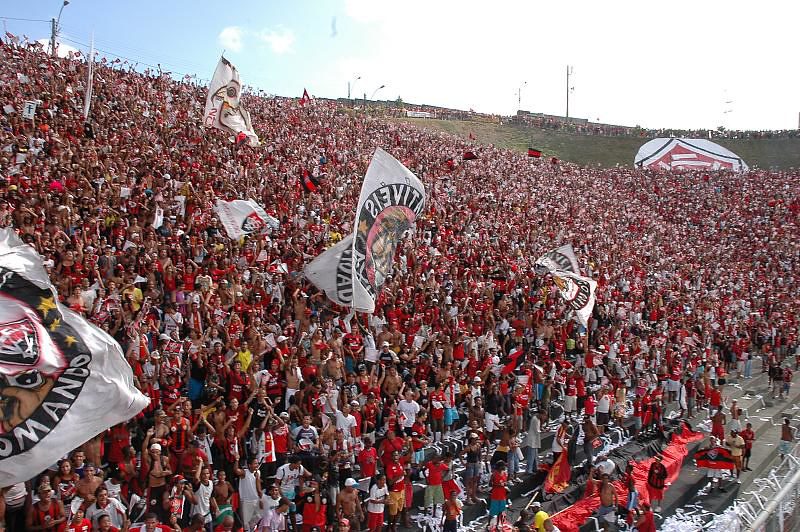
(309, 182)
(515, 358)
(559, 475)
(305, 99)
(714, 458)
(469, 156)
(450, 163)
(471, 136)
(554, 160)
(533, 152)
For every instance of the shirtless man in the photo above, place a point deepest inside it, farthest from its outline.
(293, 378)
(392, 383)
(608, 497)
(85, 487)
(348, 505)
(223, 490)
(158, 471)
(161, 429)
(92, 449)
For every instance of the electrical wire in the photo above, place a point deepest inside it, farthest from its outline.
(182, 69)
(25, 19)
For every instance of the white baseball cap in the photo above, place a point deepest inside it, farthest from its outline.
(350, 482)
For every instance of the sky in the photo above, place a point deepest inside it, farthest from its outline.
(679, 64)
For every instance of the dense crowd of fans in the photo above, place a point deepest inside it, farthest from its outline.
(269, 404)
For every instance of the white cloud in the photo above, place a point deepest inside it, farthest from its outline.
(230, 38)
(62, 49)
(280, 39)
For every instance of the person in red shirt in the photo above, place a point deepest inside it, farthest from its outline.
(367, 459)
(646, 521)
(419, 437)
(389, 445)
(499, 494)
(749, 437)
(395, 477)
(437, 412)
(434, 494)
(79, 523)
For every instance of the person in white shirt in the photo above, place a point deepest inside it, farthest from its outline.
(205, 504)
(105, 505)
(345, 421)
(378, 494)
(274, 519)
(408, 409)
(250, 503)
(289, 477)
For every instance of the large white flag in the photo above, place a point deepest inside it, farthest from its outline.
(62, 380)
(332, 272)
(578, 292)
(562, 258)
(223, 109)
(87, 98)
(391, 200)
(243, 217)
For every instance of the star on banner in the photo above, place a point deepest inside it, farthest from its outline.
(55, 325)
(70, 340)
(46, 305)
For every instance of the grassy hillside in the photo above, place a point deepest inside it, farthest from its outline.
(605, 151)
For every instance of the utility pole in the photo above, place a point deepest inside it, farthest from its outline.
(569, 73)
(53, 26)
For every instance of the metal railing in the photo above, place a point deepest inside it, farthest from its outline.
(772, 504)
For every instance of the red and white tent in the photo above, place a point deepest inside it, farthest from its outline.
(687, 154)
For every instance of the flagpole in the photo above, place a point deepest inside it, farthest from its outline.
(87, 99)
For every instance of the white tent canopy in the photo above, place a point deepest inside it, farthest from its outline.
(687, 154)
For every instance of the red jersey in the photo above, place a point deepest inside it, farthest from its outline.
(368, 459)
(433, 472)
(395, 475)
(437, 404)
(498, 483)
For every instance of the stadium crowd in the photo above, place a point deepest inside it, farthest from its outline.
(269, 404)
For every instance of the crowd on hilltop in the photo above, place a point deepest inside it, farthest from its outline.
(268, 403)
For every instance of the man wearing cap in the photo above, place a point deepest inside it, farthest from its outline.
(348, 505)
(386, 356)
(158, 470)
(736, 444)
(47, 514)
(539, 516)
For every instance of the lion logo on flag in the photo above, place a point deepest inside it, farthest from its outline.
(253, 223)
(27, 374)
(40, 356)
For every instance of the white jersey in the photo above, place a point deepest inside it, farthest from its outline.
(376, 493)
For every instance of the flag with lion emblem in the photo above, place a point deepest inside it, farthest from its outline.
(224, 110)
(244, 217)
(62, 380)
(578, 292)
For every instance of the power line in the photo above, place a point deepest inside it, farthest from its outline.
(130, 59)
(25, 19)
